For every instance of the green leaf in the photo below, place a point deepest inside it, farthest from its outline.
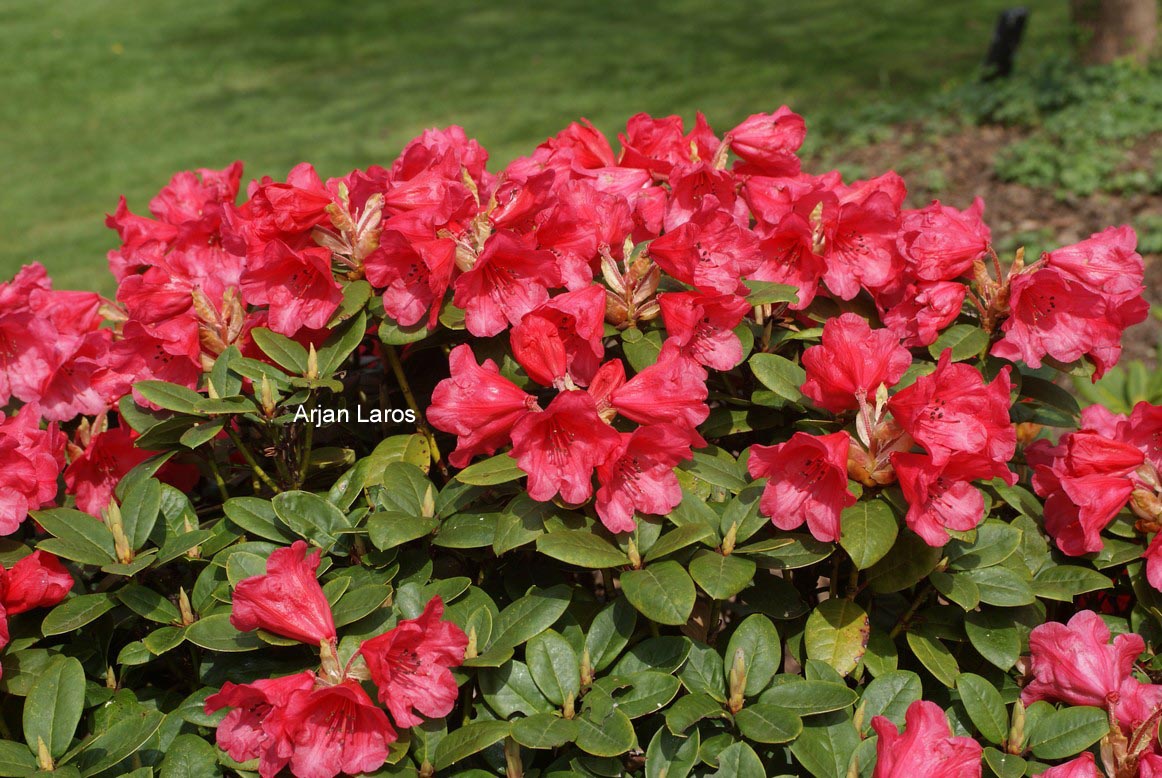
(808, 698)
(467, 740)
(75, 613)
(985, 706)
(15, 760)
(216, 633)
(662, 592)
(958, 588)
(171, 397)
(933, 654)
(767, 292)
(720, 576)
(670, 756)
(703, 672)
(139, 511)
(147, 603)
(1067, 732)
(690, 709)
(909, 561)
(995, 542)
(739, 760)
(677, 539)
(868, 531)
(1064, 582)
(781, 376)
(161, 640)
(837, 633)
(190, 756)
(530, 615)
(510, 689)
(288, 354)
(1005, 765)
(257, 517)
(554, 666)
(54, 706)
(648, 691)
(345, 338)
(609, 633)
(581, 548)
(467, 530)
(610, 735)
(390, 529)
(965, 340)
(758, 642)
(309, 516)
(544, 730)
(826, 745)
(768, 724)
(717, 470)
(83, 538)
(1001, 586)
(889, 696)
(123, 738)
(359, 602)
(664, 654)
(642, 352)
(994, 636)
(499, 469)
(394, 334)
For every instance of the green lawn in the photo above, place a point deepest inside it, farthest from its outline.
(104, 97)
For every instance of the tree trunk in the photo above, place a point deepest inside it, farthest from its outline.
(1113, 29)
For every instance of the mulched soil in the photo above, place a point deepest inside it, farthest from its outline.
(958, 167)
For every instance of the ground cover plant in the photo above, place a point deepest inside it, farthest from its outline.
(670, 460)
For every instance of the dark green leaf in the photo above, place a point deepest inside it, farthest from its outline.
(662, 592)
(965, 340)
(764, 723)
(1067, 732)
(75, 613)
(808, 698)
(467, 740)
(54, 706)
(495, 470)
(581, 548)
(868, 531)
(288, 354)
(720, 576)
(985, 706)
(757, 641)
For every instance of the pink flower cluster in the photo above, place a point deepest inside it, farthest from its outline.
(322, 723)
(960, 422)
(38, 580)
(1091, 474)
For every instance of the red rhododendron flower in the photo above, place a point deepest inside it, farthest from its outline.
(788, 257)
(766, 143)
(1086, 480)
(852, 363)
(1081, 767)
(639, 475)
(926, 746)
(562, 337)
(710, 252)
(703, 326)
(952, 411)
(1075, 663)
(298, 286)
(507, 280)
(657, 145)
(287, 600)
(414, 274)
(561, 446)
(1149, 766)
(857, 232)
(581, 223)
(478, 405)
(1056, 315)
(38, 580)
(940, 243)
(411, 662)
(919, 311)
(30, 462)
(939, 498)
(807, 482)
(93, 474)
(1106, 262)
(244, 733)
(672, 390)
(329, 730)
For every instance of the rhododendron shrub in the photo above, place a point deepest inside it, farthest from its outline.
(664, 458)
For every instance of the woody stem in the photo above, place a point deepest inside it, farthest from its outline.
(221, 483)
(410, 398)
(906, 617)
(305, 451)
(250, 460)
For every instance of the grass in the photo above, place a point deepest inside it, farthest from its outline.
(104, 97)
